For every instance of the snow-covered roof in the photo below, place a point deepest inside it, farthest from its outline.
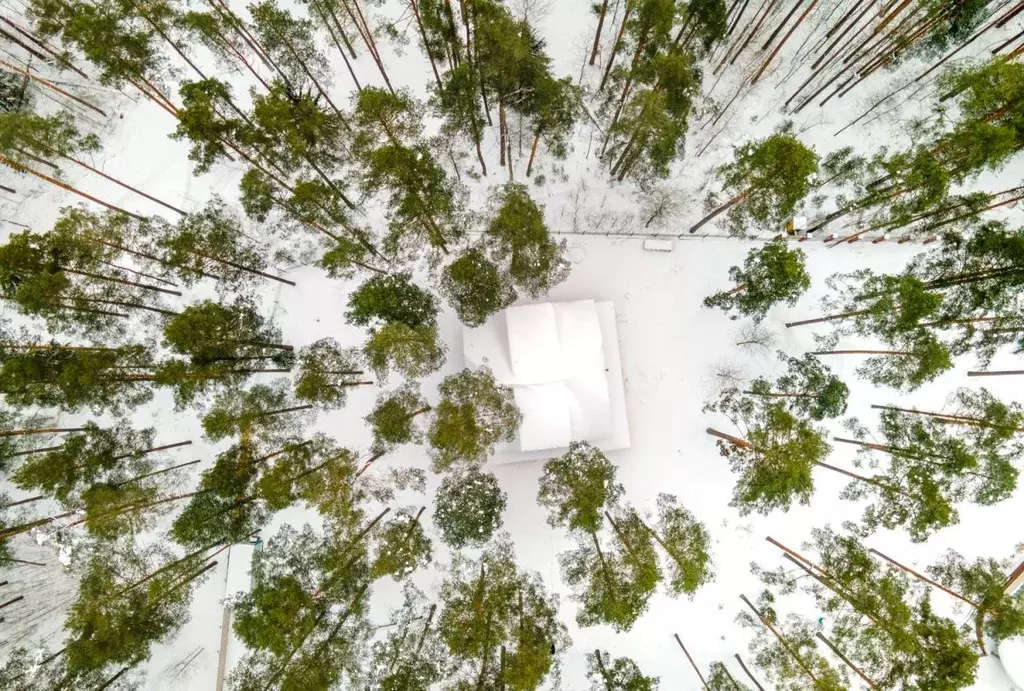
(562, 361)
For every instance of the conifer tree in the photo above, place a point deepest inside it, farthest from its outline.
(425, 209)
(775, 457)
(327, 373)
(489, 605)
(401, 547)
(687, 544)
(577, 487)
(391, 298)
(468, 507)
(613, 585)
(125, 605)
(100, 380)
(475, 287)
(983, 582)
(213, 242)
(771, 274)
(412, 352)
(768, 179)
(411, 655)
(114, 455)
(290, 44)
(520, 243)
(978, 416)
(786, 650)
(203, 121)
(475, 413)
(617, 674)
(921, 358)
(393, 418)
(262, 411)
(808, 386)
(211, 332)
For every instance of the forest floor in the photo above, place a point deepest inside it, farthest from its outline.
(676, 354)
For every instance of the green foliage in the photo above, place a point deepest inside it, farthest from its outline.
(393, 417)
(487, 605)
(468, 507)
(983, 582)
(401, 547)
(687, 543)
(412, 352)
(261, 411)
(520, 243)
(474, 414)
(93, 455)
(705, 21)
(202, 122)
(773, 175)
(720, 679)
(25, 135)
(771, 274)
(578, 487)
(777, 461)
(396, 664)
(212, 241)
(923, 359)
(808, 387)
(211, 332)
(290, 43)
(390, 299)
(618, 674)
(612, 586)
(327, 373)
(475, 287)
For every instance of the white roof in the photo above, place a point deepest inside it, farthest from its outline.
(554, 357)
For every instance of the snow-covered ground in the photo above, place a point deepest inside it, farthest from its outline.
(674, 351)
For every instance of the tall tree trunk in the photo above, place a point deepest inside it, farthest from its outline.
(775, 52)
(839, 654)
(996, 373)
(53, 181)
(22, 502)
(743, 666)
(155, 472)
(52, 86)
(860, 352)
(426, 45)
(729, 438)
(501, 131)
(597, 34)
(785, 644)
(122, 281)
(630, 4)
(34, 451)
(832, 317)
(942, 417)
(693, 664)
(723, 208)
(46, 430)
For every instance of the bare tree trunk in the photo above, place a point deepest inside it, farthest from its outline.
(630, 4)
(53, 181)
(50, 85)
(597, 35)
(723, 208)
(924, 578)
(839, 654)
(48, 430)
(743, 666)
(729, 438)
(775, 52)
(426, 46)
(156, 472)
(996, 373)
(693, 664)
(833, 317)
(860, 352)
(785, 644)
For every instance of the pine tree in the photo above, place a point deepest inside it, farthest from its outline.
(389, 299)
(983, 582)
(687, 544)
(327, 373)
(202, 120)
(475, 287)
(119, 614)
(213, 242)
(401, 547)
(808, 386)
(921, 359)
(577, 487)
(411, 656)
(617, 674)
(211, 332)
(612, 585)
(393, 418)
(768, 179)
(649, 134)
(262, 411)
(290, 44)
(468, 507)
(412, 352)
(775, 458)
(425, 209)
(474, 414)
(786, 650)
(519, 242)
(771, 274)
(489, 605)
(100, 380)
